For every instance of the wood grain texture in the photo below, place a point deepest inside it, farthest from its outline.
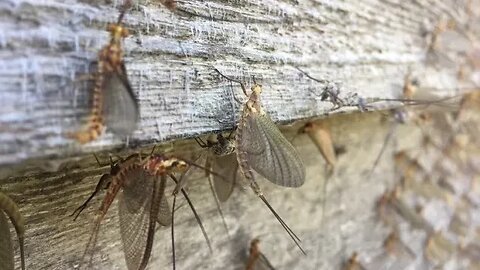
(45, 46)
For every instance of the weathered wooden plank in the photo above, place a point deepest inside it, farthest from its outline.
(358, 47)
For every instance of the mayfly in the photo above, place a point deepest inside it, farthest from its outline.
(390, 206)
(222, 160)
(256, 260)
(395, 254)
(353, 263)
(260, 146)
(10, 209)
(142, 203)
(114, 103)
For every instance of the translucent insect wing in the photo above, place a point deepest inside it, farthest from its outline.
(121, 109)
(135, 212)
(226, 166)
(6, 247)
(164, 217)
(270, 153)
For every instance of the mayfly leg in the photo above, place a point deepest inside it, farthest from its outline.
(197, 217)
(102, 183)
(173, 231)
(217, 203)
(384, 147)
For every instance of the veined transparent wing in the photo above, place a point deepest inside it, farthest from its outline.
(270, 153)
(164, 217)
(226, 166)
(139, 204)
(6, 247)
(120, 105)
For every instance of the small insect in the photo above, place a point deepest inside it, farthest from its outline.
(256, 260)
(353, 263)
(222, 160)
(390, 205)
(394, 247)
(142, 203)
(327, 93)
(395, 254)
(261, 146)
(9, 208)
(114, 103)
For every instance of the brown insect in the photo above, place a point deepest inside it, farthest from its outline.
(114, 103)
(256, 260)
(260, 146)
(9, 208)
(222, 160)
(353, 263)
(390, 205)
(142, 203)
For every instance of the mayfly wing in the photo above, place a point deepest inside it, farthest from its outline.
(269, 153)
(164, 216)
(10, 208)
(6, 247)
(226, 166)
(121, 109)
(138, 209)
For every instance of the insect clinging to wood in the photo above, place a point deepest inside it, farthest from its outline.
(114, 104)
(222, 160)
(9, 208)
(140, 182)
(261, 146)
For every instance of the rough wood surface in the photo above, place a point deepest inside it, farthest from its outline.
(357, 47)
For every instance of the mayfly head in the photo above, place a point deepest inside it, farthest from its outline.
(161, 165)
(117, 32)
(223, 146)
(257, 89)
